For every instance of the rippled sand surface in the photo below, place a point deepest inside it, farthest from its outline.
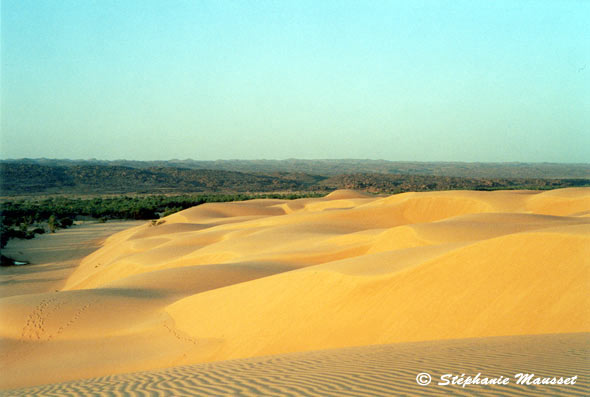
(382, 370)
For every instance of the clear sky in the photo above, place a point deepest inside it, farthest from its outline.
(396, 80)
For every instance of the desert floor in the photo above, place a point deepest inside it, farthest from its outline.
(441, 282)
(55, 256)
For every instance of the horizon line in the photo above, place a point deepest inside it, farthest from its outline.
(295, 159)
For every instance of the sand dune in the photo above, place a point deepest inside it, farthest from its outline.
(379, 370)
(239, 280)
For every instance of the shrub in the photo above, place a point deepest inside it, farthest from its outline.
(170, 211)
(66, 222)
(52, 224)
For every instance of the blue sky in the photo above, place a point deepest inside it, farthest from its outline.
(397, 80)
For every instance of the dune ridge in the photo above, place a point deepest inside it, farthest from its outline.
(226, 281)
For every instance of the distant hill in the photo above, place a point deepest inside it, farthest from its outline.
(81, 177)
(349, 166)
(378, 183)
(30, 178)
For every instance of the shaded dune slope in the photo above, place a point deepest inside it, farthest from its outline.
(262, 277)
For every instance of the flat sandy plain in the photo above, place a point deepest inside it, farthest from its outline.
(246, 298)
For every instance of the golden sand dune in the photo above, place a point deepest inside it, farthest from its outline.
(235, 280)
(379, 370)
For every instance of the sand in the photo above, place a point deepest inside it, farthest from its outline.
(54, 256)
(227, 281)
(378, 370)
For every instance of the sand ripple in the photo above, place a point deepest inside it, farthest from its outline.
(382, 370)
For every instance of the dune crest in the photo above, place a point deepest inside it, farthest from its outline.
(235, 280)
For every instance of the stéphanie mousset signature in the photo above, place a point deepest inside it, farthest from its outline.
(425, 379)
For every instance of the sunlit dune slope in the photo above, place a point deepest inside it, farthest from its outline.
(487, 267)
(234, 280)
(491, 268)
(312, 231)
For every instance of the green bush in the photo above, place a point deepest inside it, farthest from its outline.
(52, 223)
(170, 211)
(66, 222)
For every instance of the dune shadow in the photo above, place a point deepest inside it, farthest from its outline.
(35, 280)
(32, 268)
